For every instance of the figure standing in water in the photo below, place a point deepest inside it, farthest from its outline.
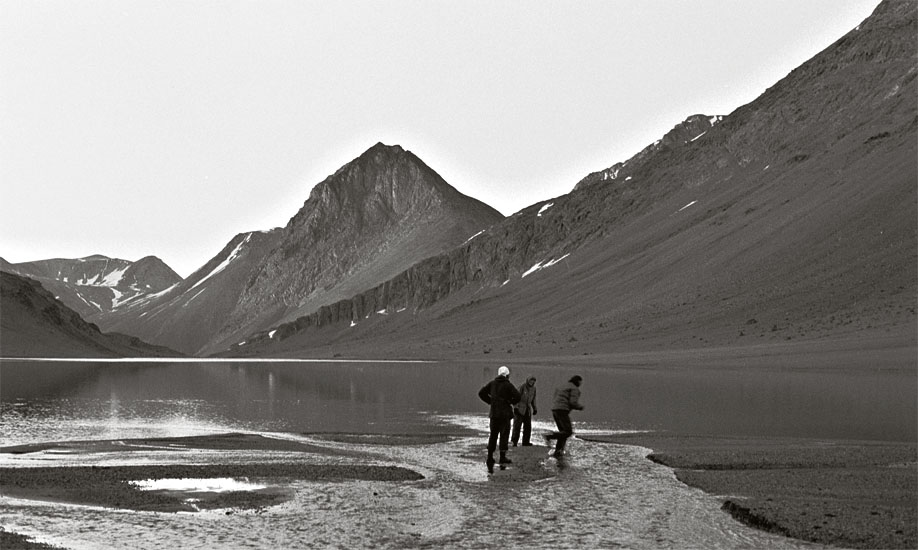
(523, 412)
(501, 395)
(567, 398)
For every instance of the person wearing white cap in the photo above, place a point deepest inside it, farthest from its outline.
(501, 395)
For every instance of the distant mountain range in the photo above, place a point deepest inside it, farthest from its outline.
(34, 323)
(792, 218)
(97, 284)
(373, 218)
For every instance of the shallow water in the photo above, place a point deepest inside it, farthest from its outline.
(609, 497)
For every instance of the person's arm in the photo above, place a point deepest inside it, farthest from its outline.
(485, 393)
(535, 409)
(514, 396)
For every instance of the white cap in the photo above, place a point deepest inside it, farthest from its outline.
(503, 371)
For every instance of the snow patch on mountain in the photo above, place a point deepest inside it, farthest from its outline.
(473, 236)
(544, 208)
(193, 297)
(541, 265)
(112, 279)
(225, 263)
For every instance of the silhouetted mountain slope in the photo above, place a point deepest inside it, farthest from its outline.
(370, 220)
(97, 283)
(187, 315)
(34, 324)
(792, 218)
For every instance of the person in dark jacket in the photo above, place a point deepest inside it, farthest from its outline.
(523, 411)
(501, 395)
(567, 398)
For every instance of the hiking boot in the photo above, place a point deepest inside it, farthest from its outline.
(504, 459)
(527, 444)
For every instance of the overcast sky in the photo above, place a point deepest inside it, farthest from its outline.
(166, 127)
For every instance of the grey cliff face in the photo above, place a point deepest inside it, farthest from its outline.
(372, 219)
(377, 215)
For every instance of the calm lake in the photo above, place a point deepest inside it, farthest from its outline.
(609, 496)
(46, 401)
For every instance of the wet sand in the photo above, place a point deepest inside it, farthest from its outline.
(850, 494)
(111, 486)
(847, 494)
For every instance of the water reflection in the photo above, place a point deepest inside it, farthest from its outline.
(40, 401)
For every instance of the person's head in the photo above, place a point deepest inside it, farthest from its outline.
(503, 371)
(531, 380)
(576, 379)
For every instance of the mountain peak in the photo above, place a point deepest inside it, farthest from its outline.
(382, 147)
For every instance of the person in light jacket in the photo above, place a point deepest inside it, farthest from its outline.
(523, 412)
(501, 395)
(567, 398)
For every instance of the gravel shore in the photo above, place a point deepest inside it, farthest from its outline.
(853, 494)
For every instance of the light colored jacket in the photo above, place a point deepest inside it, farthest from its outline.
(567, 398)
(527, 404)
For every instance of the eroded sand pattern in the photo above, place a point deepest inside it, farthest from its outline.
(608, 496)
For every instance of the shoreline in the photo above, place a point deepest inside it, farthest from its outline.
(852, 494)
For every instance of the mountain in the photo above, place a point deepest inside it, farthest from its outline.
(373, 218)
(791, 219)
(35, 324)
(692, 128)
(97, 283)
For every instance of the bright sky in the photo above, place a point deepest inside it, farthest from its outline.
(135, 128)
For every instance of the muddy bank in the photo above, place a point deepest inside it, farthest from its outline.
(840, 493)
(115, 486)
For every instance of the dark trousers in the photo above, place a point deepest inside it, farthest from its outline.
(500, 427)
(523, 421)
(565, 428)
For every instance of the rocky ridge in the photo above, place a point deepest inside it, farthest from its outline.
(374, 217)
(689, 130)
(792, 217)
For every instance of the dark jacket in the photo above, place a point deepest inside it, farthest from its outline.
(501, 395)
(567, 398)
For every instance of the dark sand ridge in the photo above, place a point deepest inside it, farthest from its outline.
(853, 494)
(849, 494)
(109, 485)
